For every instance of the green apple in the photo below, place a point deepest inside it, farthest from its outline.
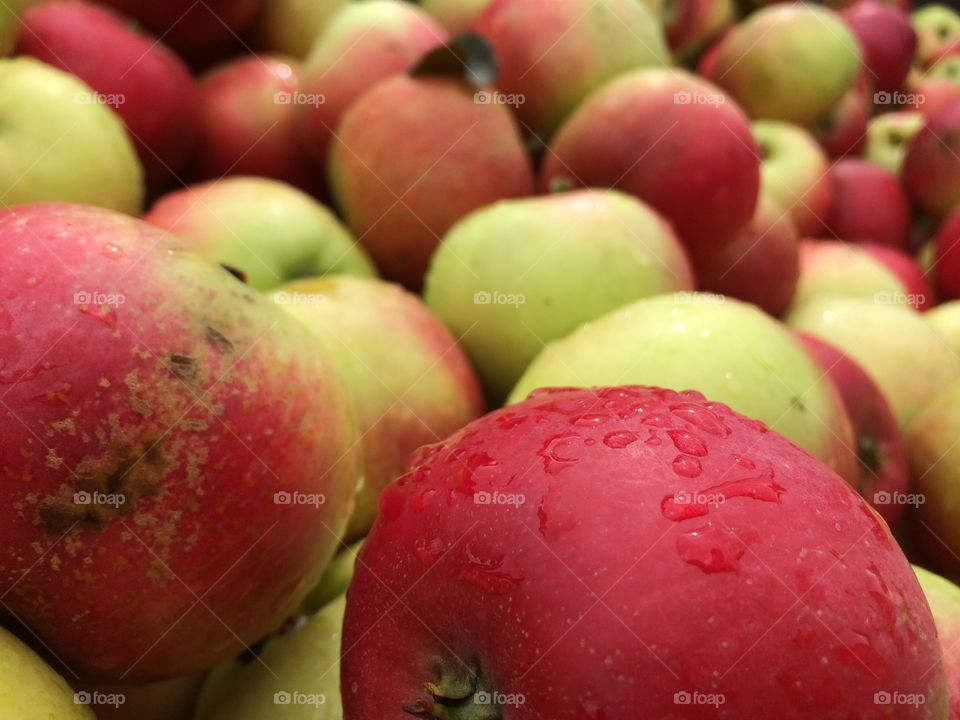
(289, 27)
(730, 351)
(31, 690)
(943, 597)
(901, 352)
(336, 578)
(456, 16)
(938, 29)
(515, 275)
(794, 173)
(887, 137)
(295, 677)
(62, 142)
(945, 319)
(269, 230)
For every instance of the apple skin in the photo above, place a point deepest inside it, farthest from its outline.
(246, 123)
(946, 266)
(30, 689)
(554, 54)
(887, 137)
(159, 399)
(674, 141)
(290, 27)
(893, 343)
(938, 30)
(596, 469)
(945, 320)
(570, 241)
(933, 90)
(868, 205)
(930, 168)
(88, 157)
(944, 600)
(794, 173)
(159, 94)
(841, 131)
(335, 581)
(756, 366)
(455, 16)
(769, 64)
(399, 197)
(270, 231)
(887, 42)
(761, 264)
(402, 400)
(365, 43)
(882, 456)
(692, 25)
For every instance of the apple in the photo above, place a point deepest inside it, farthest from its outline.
(583, 253)
(31, 690)
(335, 581)
(692, 25)
(363, 44)
(761, 265)
(61, 141)
(931, 168)
(883, 479)
(155, 93)
(946, 265)
(728, 350)
(842, 130)
(415, 154)
(944, 600)
(652, 535)
(10, 12)
(938, 30)
(270, 231)
(186, 459)
(945, 320)
(887, 137)
(290, 27)
(934, 89)
(887, 42)
(408, 380)
(552, 55)
(671, 139)
(868, 204)
(295, 677)
(246, 123)
(455, 16)
(893, 343)
(794, 173)
(790, 62)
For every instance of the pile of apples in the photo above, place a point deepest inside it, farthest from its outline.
(479, 360)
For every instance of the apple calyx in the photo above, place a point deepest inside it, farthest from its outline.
(458, 695)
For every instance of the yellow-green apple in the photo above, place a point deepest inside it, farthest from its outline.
(794, 173)
(552, 55)
(675, 141)
(295, 677)
(246, 124)
(830, 268)
(335, 581)
(691, 25)
(883, 479)
(938, 31)
(31, 690)
(62, 142)
(931, 167)
(270, 231)
(756, 366)
(945, 319)
(760, 265)
(946, 262)
(402, 400)
(943, 597)
(184, 464)
(773, 69)
(155, 94)
(364, 43)
(892, 342)
(887, 137)
(457, 155)
(887, 42)
(290, 27)
(841, 131)
(10, 13)
(583, 254)
(868, 204)
(455, 16)
(727, 524)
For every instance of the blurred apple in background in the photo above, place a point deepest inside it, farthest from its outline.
(887, 42)
(946, 262)
(931, 170)
(945, 319)
(756, 366)
(156, 95)
(290, 27)
(455, 16)
(938, 31)
(552, 55)
(888, 135)
(841, 131)
(520, 273)
(268, 230)
(364, 43)
(407, 378)
(868, 205)
(944, 599)
(692, 25)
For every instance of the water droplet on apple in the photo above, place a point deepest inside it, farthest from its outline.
(429, 551)
(687, 466)
(558, 453)
(114, 252)
(713, 549)
(619, 440)
(688, 443)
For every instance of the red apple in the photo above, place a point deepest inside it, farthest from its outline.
(946, 266)
(155, 94)
(841, 132)
(931, 168)
(178, 462)
(884, 477)
(868, 204)
(887, 42)
(625, 553)
(928, 94)
(691, 25)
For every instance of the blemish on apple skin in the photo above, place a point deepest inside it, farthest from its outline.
(218, 339)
